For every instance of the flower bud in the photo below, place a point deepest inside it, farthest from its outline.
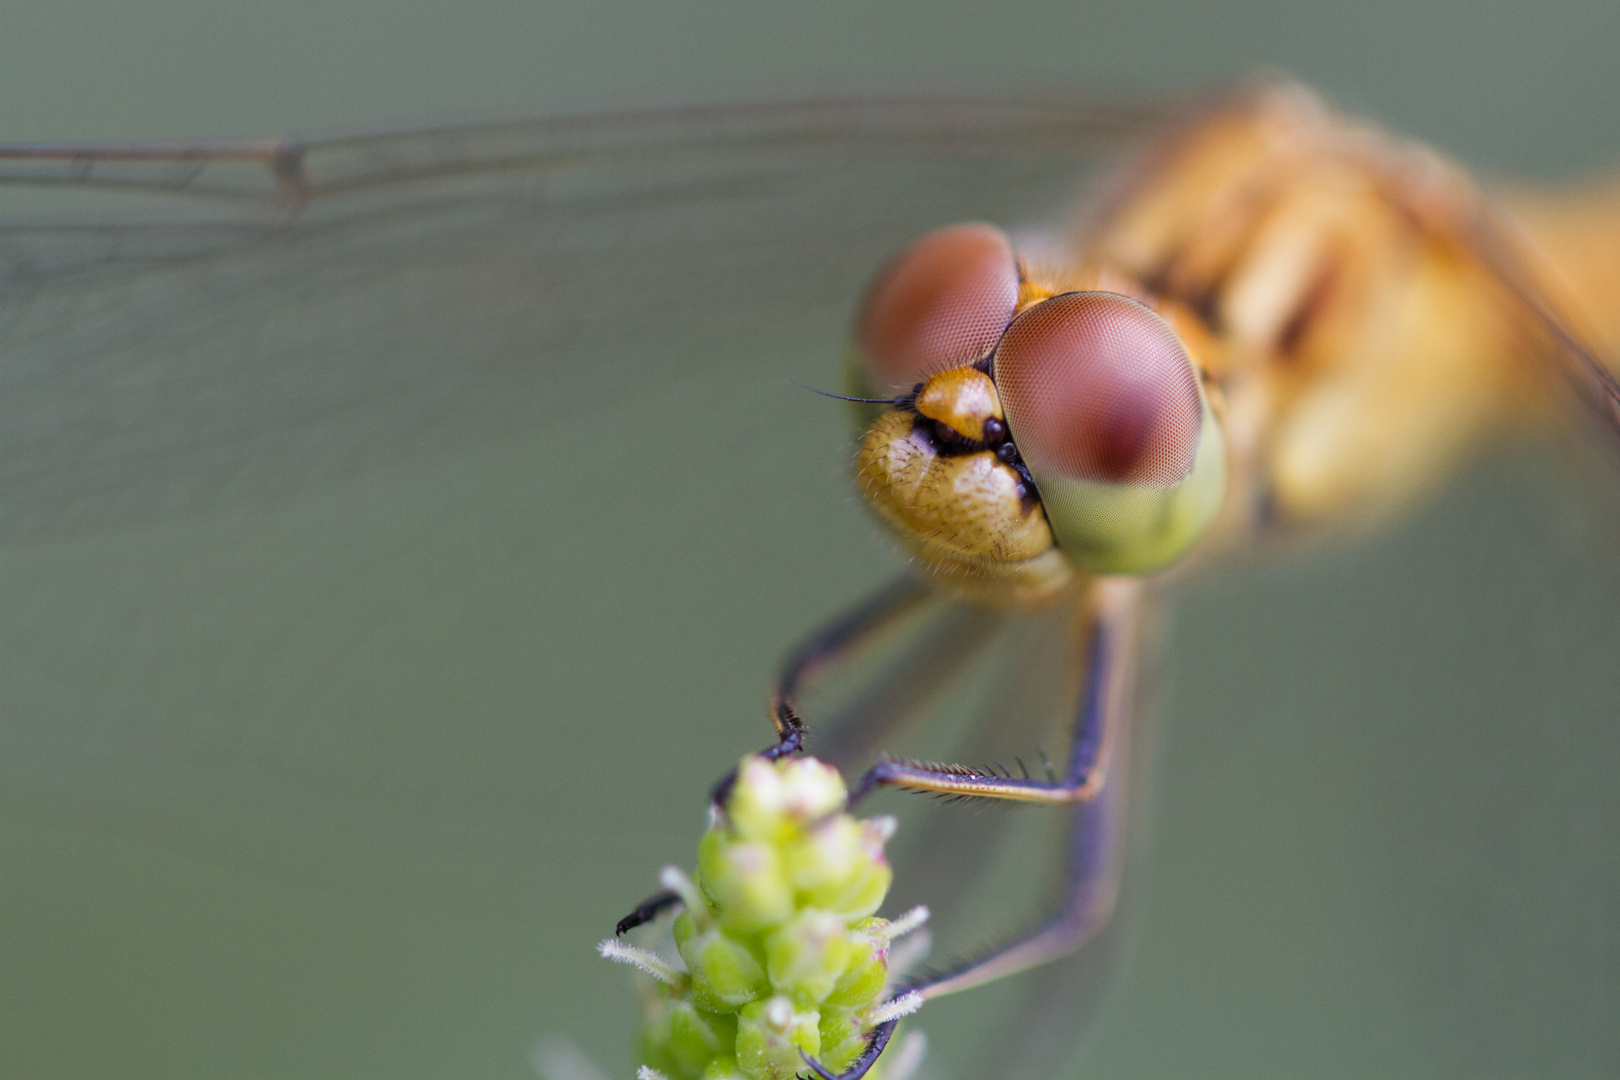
(841, 1038)
(866, 970)
(771, 801)
(771, 1034)
(825, 860)
(724, 972)
(843, 867)
(695, 1037)
(807, 955)
(746, 881)
(724, 1067)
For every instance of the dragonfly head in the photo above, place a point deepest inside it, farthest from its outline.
(1029, 436)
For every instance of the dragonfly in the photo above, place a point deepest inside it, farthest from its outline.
(193, 328)
(1279, 322)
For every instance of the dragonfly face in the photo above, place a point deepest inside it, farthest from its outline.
(1045, 433)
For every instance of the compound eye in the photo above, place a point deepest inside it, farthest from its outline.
(941, 304)
(1098, 387)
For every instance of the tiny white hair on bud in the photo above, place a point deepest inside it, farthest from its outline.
(557, 1058)
(905, 924)
(904, 1005)
(903, 1062)
(650, 962)
(675, 880)
(647, 1072)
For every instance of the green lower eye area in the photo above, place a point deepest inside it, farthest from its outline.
(1107, 528)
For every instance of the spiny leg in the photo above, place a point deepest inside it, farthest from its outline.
(1091, 887)
(1028, 703)
(1092, 873)
(1111, 623)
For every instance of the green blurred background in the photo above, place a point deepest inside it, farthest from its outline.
(343, 782)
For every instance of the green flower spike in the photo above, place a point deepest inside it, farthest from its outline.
(779, 947)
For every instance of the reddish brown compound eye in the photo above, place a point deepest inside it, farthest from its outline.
(1098, 387)
(941, 304)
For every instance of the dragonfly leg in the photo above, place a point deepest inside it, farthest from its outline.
(1090, 892)
(1110, 629)
(831, 643)
(1091, 889)
(646, 911)
(1093, 868)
